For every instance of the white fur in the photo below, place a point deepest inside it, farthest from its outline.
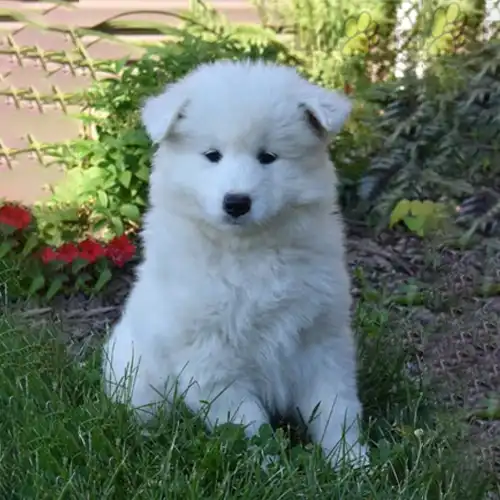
(253, 317)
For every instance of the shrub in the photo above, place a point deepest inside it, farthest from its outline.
(339, 40)
(437, 138)
(420, 217)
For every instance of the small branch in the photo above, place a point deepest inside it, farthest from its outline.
(36, 312)
(87, 313)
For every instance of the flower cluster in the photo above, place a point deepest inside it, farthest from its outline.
(15, 216)
(119, 251)
(80, 264)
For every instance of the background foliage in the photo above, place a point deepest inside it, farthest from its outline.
(428, 135)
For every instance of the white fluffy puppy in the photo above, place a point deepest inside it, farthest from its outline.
(243, 296)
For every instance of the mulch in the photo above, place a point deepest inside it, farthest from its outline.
(456, 328)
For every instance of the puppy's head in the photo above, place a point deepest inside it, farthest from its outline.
(242, 143)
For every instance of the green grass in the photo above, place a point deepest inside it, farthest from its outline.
(60, 438)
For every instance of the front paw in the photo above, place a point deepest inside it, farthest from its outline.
(354, 456)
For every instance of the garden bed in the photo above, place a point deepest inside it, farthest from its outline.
(442, 305)
(430, 341)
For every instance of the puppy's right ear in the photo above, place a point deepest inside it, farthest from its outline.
(160, 113)
(326, 110)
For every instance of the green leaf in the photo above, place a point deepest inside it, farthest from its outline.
(118, 64)
(5, 248)
(415, 224)
(415, 207)
(37, 284)
(109, 183)
(30, 245)
(56, 285)
(400, 211)
(117, 225)
(139, 201)
(78, 264)
(428, 208)
(102, 281)
(125, 178)
(103, 198)
(142, 173)
(130, 211)
(7, 230)
(82, 280)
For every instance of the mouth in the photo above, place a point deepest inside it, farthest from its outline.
(237, 222)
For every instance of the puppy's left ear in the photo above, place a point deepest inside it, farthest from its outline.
(160, 113)
(326, 110)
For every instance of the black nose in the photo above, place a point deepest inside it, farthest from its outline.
(237, 205)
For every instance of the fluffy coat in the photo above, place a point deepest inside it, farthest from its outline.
(250, 313)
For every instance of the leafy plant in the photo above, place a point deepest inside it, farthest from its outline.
(481, 212)
(44, 270)
(339, 40)
(420, 217)
(438, 136)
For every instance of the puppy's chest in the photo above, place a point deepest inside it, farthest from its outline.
(246, 302)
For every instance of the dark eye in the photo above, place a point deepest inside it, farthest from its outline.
(213, 155)
(266, 158)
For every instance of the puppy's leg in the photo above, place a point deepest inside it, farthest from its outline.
(135, 389)
(234, 403)
(231, 404)
(131, 379)
(327, 400)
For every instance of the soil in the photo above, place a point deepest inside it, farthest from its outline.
(447, 302)
(454, 323)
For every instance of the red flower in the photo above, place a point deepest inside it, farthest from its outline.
(91, 250)
(15, 216)
(67, 252)
(120, 250)
(48, 255)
